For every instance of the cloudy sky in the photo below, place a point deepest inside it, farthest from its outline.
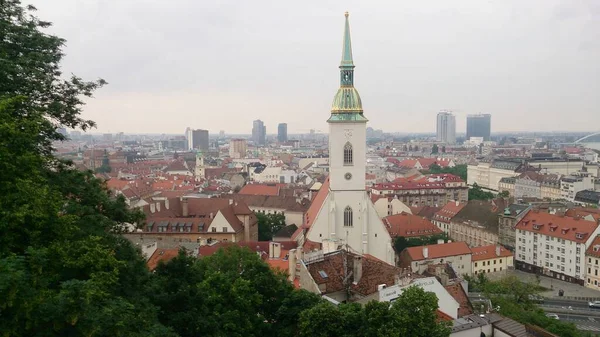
(219, 64)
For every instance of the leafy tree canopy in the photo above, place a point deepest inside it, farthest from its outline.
(269, 224)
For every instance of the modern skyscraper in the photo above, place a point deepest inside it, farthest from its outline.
(259, 132)
(479, 125)
(346, 215)
(282, 132)
(446, 127)
(196, 139)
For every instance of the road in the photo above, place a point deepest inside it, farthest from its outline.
(567, 303)
(582, 322)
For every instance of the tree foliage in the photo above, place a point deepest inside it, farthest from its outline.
(269, 224)
(458, 170)
(412, 314)
(401, 243)
(518, 300)
(477, 193)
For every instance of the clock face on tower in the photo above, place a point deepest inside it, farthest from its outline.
(348, 176)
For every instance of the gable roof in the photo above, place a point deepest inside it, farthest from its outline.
(489, 252)
(260, 189)
(563, 227)
(449, 211)
(481, 213)
(438, 251)
(459, 294)
(164, 255)
(408, 225)
(317, 203)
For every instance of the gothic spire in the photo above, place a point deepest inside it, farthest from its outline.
(347, 48)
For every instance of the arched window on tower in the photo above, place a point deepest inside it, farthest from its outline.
(348, 217)
(348, 154)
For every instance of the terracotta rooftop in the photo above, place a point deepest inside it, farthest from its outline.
(459, 294)
(329, 273)
(164, 255)
(563, 227)
(438, 251)
(594, 248)
(317, 203)
(260, 189)
(489, 252)
(449, 211)
(408, 225)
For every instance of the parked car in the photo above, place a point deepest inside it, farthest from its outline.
(594, 304)
(555, 316)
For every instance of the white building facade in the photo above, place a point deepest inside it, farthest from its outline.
(347, 215)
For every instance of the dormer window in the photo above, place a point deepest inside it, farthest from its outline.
(536, 226)
(579, 235)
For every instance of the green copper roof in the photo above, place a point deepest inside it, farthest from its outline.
(346, 100)
(347, 117)
(347, 48)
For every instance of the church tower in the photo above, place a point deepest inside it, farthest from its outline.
(347, 128)
(347, 216)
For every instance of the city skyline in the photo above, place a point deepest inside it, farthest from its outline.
(531, 65)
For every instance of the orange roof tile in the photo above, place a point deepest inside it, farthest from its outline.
(489, 252)
(316, 204)
(594, 248)
(438, 251)
(563, 227)
(449, 211)
(164, 255)
(459, 294)
(260, 189)
(442, 316)
(408, 225)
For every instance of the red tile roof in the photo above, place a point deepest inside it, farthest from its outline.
(439, 251)
(489, 252)
(448, 211)
(563, 227)
(594, 248)
(408, 225)
(459, 294)
(442, 316)
(260, 189)
(316, 204)
(164, 255)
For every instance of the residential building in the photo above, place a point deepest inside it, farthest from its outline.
(430, 190)
(198, 220)
(282, 135)
(592, 264)
(550, 188)
(487, 174)
(342, 213)
(479, 125)
(571, 184)
(491, 259)
(407, 225)
(587, 197)
(259, 132)
(554, 245)
(493, 324)
(443, 217)
(343, 276)
(293, 208)
(424, 163)
(446, 127)
(386, 206)
(477, 222)
(276, 174)
(507, 184)
(238, 148)
(529, 184)
(507, 221)
(456, 253)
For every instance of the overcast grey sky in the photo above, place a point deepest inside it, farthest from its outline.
(170, 64)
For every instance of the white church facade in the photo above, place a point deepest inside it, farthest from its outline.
(347, 215)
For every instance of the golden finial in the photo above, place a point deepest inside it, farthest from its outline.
(346, 14)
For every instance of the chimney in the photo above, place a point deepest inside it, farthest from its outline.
(440, 241)
(292, 265)
(158, 206)
(497, 250)
(184, 207)
(231, 201)
(425, 252)
(357, 269)
(274, 250)
(152, 208)
(310, 195)
(456, 202)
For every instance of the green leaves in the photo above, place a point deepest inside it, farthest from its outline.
(268, 225)
(412, 314)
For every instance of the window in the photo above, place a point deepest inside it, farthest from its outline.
(348, 154)
(224, 229)
(475, 264)
(214, 229)
(348, 216)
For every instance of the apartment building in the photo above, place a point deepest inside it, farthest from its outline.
(443, 217)
(570, 185)
(554, 245)
(487, 174)
(477, 222)
(430, 190)
(491, 259)
(419, 258)
(592, 264)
